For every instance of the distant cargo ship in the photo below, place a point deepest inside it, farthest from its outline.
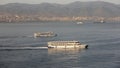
(66, 44)
(44, 34)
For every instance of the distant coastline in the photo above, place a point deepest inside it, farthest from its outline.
(20, 18)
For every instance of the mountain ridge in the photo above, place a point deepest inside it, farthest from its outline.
(94, 8)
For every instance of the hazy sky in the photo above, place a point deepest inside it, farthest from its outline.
(52, 1)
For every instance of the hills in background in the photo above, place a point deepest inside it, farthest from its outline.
(95, 8)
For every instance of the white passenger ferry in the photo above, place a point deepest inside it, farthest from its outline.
(66, 44)
(44, 34)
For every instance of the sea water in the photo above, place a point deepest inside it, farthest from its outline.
(103, 50)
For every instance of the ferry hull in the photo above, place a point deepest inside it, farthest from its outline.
(79, 46)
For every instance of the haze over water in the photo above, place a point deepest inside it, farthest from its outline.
(103, 40)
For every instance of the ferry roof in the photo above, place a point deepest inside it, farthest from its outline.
(44, 32)
(63, 41)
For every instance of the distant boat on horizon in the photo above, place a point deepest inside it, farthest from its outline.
(101, 21)
(80, 22)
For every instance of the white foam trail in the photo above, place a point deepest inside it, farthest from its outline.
(22, 48)
(29, 36)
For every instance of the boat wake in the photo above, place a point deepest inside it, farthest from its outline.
(22, 48)
(6, 37)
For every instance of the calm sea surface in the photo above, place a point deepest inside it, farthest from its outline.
(103, 41)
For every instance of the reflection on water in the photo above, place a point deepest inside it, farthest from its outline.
(62, 50)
